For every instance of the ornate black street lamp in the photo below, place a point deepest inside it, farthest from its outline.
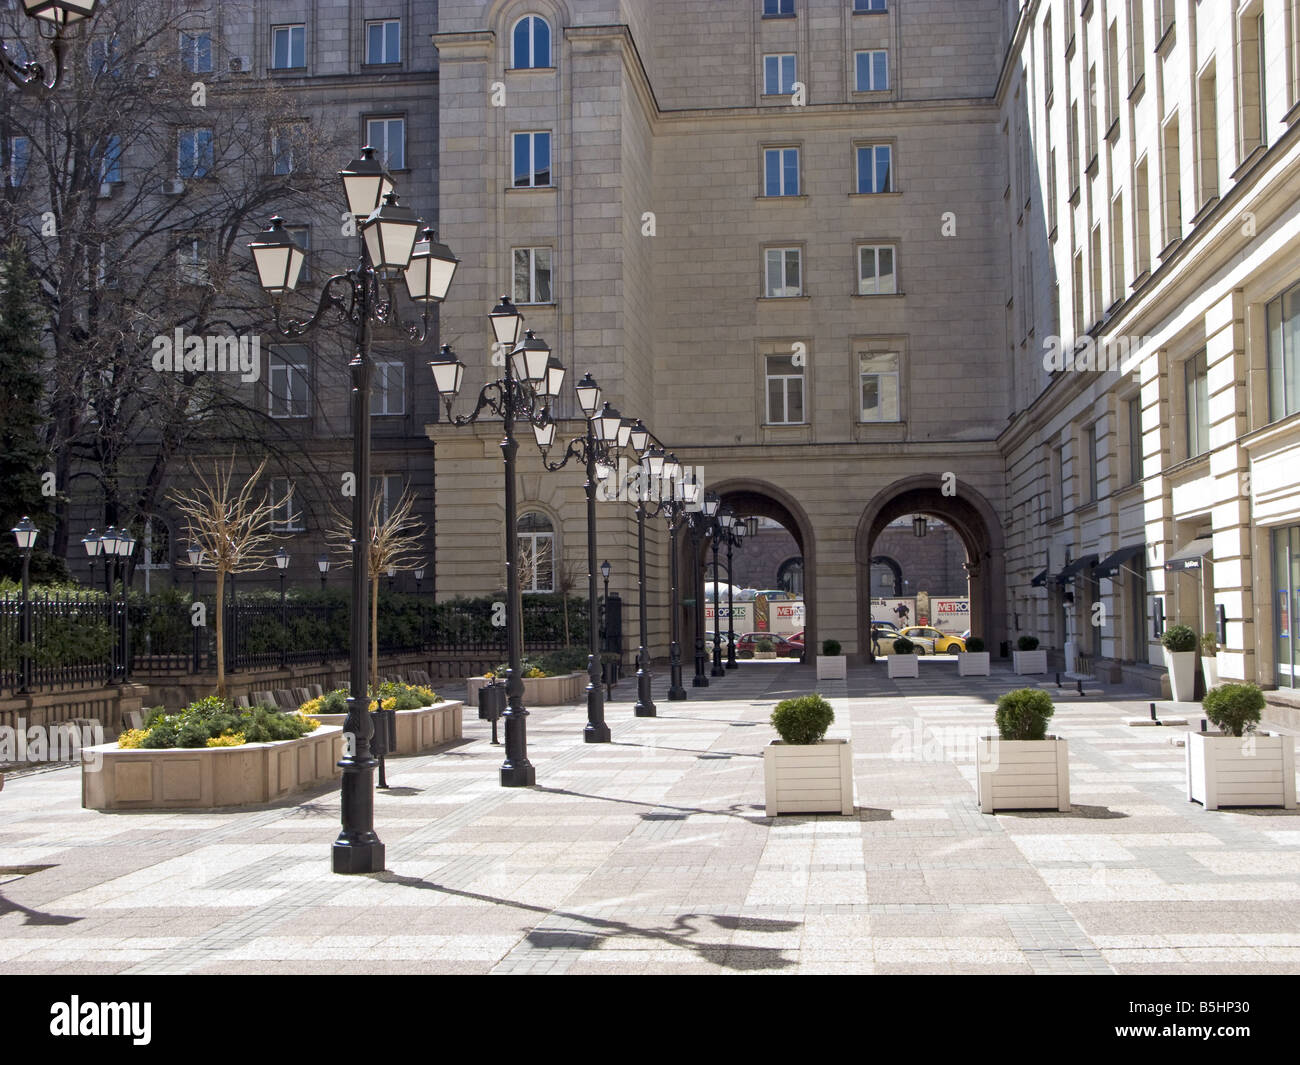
(92, 545)
(700, 523)
(282, 564)
(394, 244)
(124, 546)
(522, 393)
(58, 16)
(736, 539)
(195, 556)
(720, 532)
(25, 533)
(604, 607)
(606, 431)
(419, 578)
(323, 564)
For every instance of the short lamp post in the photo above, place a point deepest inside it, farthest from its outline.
(701, 522)
(323, 564)
(92, 545)
(739, 530)
(721, 531)
(392, 573)
(394, 245)
(604, 607)
(195, 555)
(282, 564)
(639, 441)
(125, 548)
(25, 533)
(419, 578)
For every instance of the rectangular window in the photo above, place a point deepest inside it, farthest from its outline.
(1049, 57)
(1134, 439)
(1090, 115)
(532, 279)
(1164, 16)
(1284, 354)
(110, 160)
(287, 516)
(1207, 133)
(1137, 56)
(781, 172)
(876, 275)
(1172, 185)
(1254, 125)
(1141, 220)
(387, 488)
(286, 387)
(1197, 397)
(783, 272)
(784, 391)
(1138, 610)
(1117, 248)
(20, 155)
(1097, 290)
(1060, 497)
(196, 52)
(779, 74)
(1112, 75)
(868, 5)
(1072, 147)
(536, 538)
(1090, 460)
(875, 168)
(878, 386)
(388, 389)
(872, 71)
(384, 41)
(288, 47)
(1051, 190)
(388, 137)
(192, 260)
(532, 160)
(1078, 293)
(285, 141)
(302, 234)
(194, 156)
(778, 7)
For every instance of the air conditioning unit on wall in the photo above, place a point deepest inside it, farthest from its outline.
(173, 187)
(240, 64)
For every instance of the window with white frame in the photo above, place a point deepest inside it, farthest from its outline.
(532, 275)
(779, 74)
(384, 41)
(1196, 395)
(287, 513)
(778, 7)
(871, 70)
(532, 159)
(110, 160)
(783, 272)
(196, 52)
(287, 389)
(288, 47)
(1134, 410)
(302, 234)
(860, 6)
(875, 168)
(531, 44)
(781, 172)
(1283, 316)
(192, 259)
(20, 155)
(1090, 461)
(388, 388)
(536, 538)
(785, 404)
(155, 544)
(878, 386)
(194, 156)
(386, 490)
(286, 142)
(876, 275)
(388, 137)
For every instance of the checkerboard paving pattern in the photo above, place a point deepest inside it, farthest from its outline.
(652, 854)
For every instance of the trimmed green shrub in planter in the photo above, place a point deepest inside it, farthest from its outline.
(1023, 714)
(1178, 638)
(974, 645)
(765, 646)
(903, 646)
(1209, 645)
(802, 721)
(1027, 643)
(830, 647)
(1234, 708)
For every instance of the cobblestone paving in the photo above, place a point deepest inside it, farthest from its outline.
(653, 854)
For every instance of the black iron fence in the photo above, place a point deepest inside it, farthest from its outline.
(77, 638)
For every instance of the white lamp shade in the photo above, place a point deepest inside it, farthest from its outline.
(323, 564)
(554, 378)
(282, 558)
(545, 435)
(432, 267)
(125, 543)
(604, 471)
(507, 323)
(606, 424)
(195, 553)
(109, 540)
(710, 505)
(91, 543)
(448, 373)
(278, 258)
(639, 437)
(365, 183)
(588, 394)
(60, 12)
(531, 359)
(654, 462)
(390, 234)
(25, 533)
(624, 433)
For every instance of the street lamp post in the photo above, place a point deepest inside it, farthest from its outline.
(125, 547)
(736, 538)
(530, 376)
(604, 607)
(195, 555)
(282, 563)
(92, 545)
(59, 14)
(394, 244)
(700, 523)
(25, 533)
(323, 564)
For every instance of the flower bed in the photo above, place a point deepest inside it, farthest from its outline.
(541, 691)
(423, 720)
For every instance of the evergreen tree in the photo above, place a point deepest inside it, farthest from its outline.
(22, 456)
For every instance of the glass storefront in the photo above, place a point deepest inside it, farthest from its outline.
(1286, 600)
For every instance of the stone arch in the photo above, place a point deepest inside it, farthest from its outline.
(973, 519)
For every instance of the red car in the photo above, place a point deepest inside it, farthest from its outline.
(796, 638)
(780, 644)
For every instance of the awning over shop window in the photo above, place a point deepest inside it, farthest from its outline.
(1189, 556)
(1039, 581)
(1112, 564)
(1078, 565)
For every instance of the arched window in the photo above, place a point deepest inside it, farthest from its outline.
(532, 43)
(536, 552)
(789, 576)
(154, 545)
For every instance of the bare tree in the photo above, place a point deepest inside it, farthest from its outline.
(233, 528)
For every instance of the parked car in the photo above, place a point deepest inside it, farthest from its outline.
(796, 638)
(883, 635)
(780, 644)
(723, 638)
(941, 642)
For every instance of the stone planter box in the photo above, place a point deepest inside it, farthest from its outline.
(418, 730)
(973, 664)
(814, 778)
(902, 666)
(831, 667)
(1022, 774)
(542, 691)
(203, 778)
(1210, 667)
(1182, 675)
(764, 654)
(1254, 770)
(1027, 662)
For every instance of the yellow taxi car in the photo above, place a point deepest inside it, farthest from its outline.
(883, 635)
(943, 643)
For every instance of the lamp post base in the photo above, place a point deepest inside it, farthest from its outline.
(645, 704)
(362, 854)
(596, 733)
(518, 776)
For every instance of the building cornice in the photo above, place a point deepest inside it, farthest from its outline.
(1024, 20)
(474, 40)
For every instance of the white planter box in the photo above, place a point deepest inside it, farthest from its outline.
(1182, 675)
(831, 667)
(540, 691)
(1023, 774)
(764, 654)
(1210, 667)
(973, 664)
(1071, 656)
(902, 666)
(1027, 662)
(1254, 770)
(815, 778)
(418, 730)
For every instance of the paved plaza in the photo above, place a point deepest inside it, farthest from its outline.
(652, 854)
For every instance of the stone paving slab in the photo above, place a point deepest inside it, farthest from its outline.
(653, 854)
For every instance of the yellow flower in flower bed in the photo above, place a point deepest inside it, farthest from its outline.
(313, 721)
(428, 693)
(311, 706)
(535, 673)
(388, 704)
(132, 738)
(227, 739)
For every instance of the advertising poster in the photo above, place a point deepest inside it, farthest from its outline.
(897, 611)
(950, 615)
